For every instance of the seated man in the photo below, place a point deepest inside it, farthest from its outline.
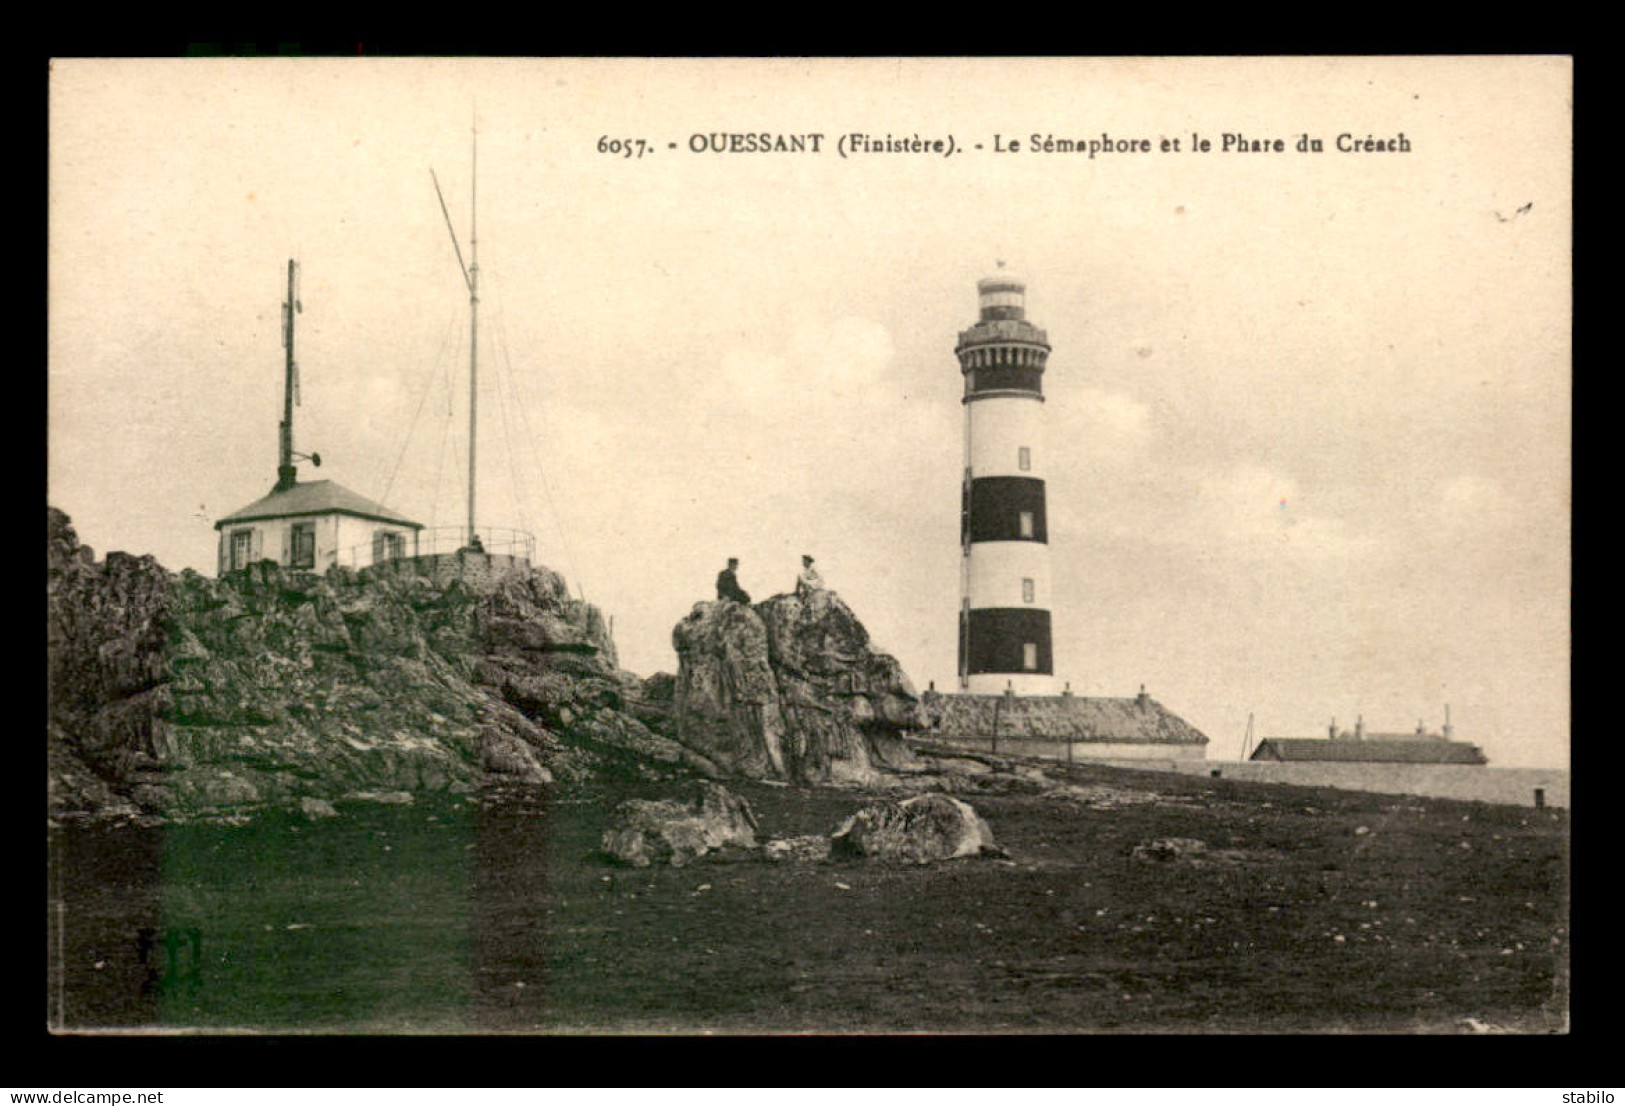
(728, 583)
(809, 580)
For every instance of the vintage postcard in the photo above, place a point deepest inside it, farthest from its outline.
(781, 546)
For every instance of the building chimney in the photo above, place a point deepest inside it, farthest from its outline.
(1331, 731)
(1067, 690)
(1359, 727)
(1447, 728)
(1421, 730)
(1142, 698)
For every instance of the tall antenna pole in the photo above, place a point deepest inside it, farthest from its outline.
(473, 317)
(285, 474)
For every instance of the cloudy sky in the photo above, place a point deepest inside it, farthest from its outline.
(1308, 414)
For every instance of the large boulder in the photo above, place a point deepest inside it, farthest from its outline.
(790, 689)
(727, 702)
(920, 830)
(643, 832)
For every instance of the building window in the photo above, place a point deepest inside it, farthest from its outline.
(1026, 524)
(303, 545)
(1029, 656)
(242, 548)
(1024, 459)
(387, 545)
(1027, 590)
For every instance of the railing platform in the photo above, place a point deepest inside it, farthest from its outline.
(506, 545)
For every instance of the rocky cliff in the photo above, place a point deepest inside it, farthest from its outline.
(790, 689)
(180, 695)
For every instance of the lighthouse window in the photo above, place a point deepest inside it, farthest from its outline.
(1024, 459)
(1026, 591)
(1029, 656)
(303, 548)
(1026, 524)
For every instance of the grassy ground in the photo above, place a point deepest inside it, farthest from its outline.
(502, 917)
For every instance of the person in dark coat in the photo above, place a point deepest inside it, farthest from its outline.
(728, 583)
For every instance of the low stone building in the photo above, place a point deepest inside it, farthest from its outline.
(1376, 749)
(1359, 746)
(1061, 727)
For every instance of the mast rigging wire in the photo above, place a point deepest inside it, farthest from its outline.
(547, 485)
(423, 400)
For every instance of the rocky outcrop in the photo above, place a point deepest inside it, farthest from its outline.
(643, 832)
(790, 689)
(920, 830)
(180, 694)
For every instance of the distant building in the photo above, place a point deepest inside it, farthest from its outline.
(313, 527)
(1360, 747)
(1061, 727)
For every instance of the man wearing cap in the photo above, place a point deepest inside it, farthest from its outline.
(728, 583)
(809, 580)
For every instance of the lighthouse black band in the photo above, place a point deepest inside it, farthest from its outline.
(995, 506)
(994, 639)
(1004, 378)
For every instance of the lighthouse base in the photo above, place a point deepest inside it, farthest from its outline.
(1022, 683)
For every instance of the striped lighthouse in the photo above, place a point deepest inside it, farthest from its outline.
(1004, 615)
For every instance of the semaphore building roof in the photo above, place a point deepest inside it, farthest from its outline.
(318, 497)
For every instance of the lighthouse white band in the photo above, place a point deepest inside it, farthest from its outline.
(998, 571)
(999, 428)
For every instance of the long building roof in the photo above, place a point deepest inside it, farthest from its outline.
(1425, 750)
(319, 497)
(1133, 720)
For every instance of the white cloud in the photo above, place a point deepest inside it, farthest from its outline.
(1096, 426)
(1255, 513)
(841, 355)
